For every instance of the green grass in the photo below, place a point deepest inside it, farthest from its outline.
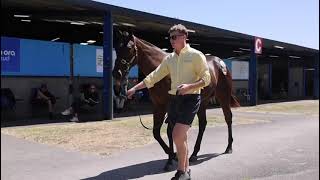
(308, 107)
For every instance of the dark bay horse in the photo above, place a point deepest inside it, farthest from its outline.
(134, 51)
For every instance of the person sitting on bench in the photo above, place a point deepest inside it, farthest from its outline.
(89, 97)
(43, 97)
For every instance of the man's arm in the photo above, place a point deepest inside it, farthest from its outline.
(96, 102)
(42, 95)
(83, 98)
(202, 69)
(159, 73)
(95, 98)
(155, 76)
(137, 87)
(184, 88)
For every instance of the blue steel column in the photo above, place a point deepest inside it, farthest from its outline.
(316, 77)
(304, 83)
(289, 80)
(107, 66)
(253, 77)
(270, 81)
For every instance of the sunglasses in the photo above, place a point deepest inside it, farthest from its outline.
(174, 37)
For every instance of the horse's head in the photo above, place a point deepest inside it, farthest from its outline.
(126, 49)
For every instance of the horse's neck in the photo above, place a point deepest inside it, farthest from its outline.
(149, 56)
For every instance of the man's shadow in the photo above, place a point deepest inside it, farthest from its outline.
(144, 169)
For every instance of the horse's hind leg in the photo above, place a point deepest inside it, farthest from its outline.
(228, 118)
(202, 126)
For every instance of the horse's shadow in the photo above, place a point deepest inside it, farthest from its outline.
(143, 169)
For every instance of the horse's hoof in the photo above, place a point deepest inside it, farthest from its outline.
(228, 151)
(168, 167)
(193, 158)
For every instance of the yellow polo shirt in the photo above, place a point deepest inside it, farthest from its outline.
(187, 67)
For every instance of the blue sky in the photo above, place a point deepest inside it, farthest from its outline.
(291, 21)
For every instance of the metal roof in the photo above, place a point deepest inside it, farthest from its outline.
(92, 12)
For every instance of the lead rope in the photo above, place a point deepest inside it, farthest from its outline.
(165, 117)
(146, 126)
(138, 114)
(137, 96)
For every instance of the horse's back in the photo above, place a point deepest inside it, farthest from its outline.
(220, 77)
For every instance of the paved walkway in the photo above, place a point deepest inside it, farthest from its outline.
(286, 148)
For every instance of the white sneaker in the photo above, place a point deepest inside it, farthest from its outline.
(121, 104)
(117, 102)
(66, 112)
(74, 119)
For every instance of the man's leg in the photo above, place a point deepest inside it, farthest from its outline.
(50, 109)
(187, 155)
(76, 108)
(50, 106)
(180, 139)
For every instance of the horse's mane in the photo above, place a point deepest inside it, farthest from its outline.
(152, 45)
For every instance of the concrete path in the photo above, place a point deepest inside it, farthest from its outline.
(285, 148)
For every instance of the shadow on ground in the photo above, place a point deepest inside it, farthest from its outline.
(144, 169)
(33, 121)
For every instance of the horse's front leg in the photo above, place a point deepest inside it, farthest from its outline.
(158, 117)
(172, 155)
(202, 127)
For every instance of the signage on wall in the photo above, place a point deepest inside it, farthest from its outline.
(240, 70)
(258, 45)
(99, 60)
(10, 54)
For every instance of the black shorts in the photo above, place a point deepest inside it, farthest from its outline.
(183, 108)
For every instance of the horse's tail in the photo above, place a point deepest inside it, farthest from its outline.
(234, 102)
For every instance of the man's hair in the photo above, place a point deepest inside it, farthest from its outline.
(180, 28)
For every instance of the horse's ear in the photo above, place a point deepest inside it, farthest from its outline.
(116, 36)
(116, 33)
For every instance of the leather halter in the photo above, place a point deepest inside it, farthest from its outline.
(126, 64)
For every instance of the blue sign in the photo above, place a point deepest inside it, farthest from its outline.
(10, 54)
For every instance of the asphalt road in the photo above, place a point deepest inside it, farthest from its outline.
(286, 148)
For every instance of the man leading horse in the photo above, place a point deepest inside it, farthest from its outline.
(189, 73)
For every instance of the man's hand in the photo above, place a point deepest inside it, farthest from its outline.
(183, 89)
(131, 92)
